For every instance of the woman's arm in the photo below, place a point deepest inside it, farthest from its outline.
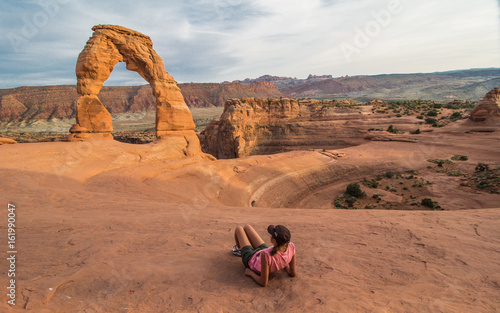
(291, 268)
(264, 272)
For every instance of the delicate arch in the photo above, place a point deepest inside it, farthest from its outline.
(109, 45)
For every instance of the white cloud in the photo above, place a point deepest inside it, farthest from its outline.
(217, 40)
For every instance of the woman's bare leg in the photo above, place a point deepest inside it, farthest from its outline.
(252, 235)
(241, 237)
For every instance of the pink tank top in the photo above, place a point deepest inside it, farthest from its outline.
(275, 262)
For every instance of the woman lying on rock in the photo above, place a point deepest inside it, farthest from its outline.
(258, 258)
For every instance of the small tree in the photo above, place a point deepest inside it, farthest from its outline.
(354, 190)
(429, 203)
(391, 129)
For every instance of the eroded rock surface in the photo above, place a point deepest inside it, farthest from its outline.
(7, 141)
(251, 126)
(488, 108)
(109, 45)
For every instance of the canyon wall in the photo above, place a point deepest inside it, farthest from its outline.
(47, 102)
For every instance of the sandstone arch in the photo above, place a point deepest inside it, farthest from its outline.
(109, 45)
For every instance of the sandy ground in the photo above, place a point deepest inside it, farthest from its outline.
(114, 227)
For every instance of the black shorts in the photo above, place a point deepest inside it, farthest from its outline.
(247, 253)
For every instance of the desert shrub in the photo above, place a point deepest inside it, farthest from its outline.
(389, 174)
(450, 172)
(437, 105)
(483, 184)
(415, 132)
(456, 116)
(376, 197)
(354, 190)
(429, 203)
(371, 183)
(431, 120)
(458, 157)
(432, 113)
(481, 167)
(350, 200)
(391, 129)
(420, 117)
(345, 202)
(440, 162)
(399, 115)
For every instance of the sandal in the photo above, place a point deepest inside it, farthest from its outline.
(236, 251)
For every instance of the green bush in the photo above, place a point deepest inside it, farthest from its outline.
(432, 113)
(350, 200)
(371, 183)
(399, 115)
(481, 167)
(429, 203)
(431, 120)
(354, 190)
(420, 117)
(415, 132)
(456, 116)
(391, 129)
(389, 174)
(458, 157)
(483, 184)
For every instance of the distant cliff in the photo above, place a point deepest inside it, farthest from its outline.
(469, 84)
(251, 126)
(47, 102)
(283, 82)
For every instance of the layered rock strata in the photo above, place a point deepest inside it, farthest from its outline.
(251, 126)
(488, 108)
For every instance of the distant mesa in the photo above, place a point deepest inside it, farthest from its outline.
(283, 82)
(109, 45)
(488, 108)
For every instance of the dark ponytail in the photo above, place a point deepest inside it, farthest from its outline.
(275, 248)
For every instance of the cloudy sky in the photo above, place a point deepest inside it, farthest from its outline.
(225, 40)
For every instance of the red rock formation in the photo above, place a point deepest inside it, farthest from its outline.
(109, 45)
(7, 141)
(258, 126)
(488, 108)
